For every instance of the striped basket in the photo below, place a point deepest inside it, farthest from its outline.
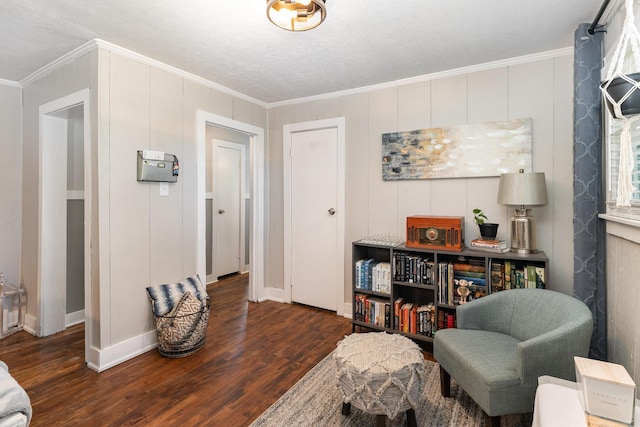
(183, 330)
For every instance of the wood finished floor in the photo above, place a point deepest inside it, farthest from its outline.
(254, 353)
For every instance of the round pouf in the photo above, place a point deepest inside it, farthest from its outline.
(380, 373)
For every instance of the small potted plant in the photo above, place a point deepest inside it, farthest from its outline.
(488, 230)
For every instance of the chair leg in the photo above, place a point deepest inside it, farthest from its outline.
(346, 408)
(490, 421)
(381, 420)
(411, 418)
(445, 383)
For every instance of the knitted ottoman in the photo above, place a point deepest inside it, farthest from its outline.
(381, 374)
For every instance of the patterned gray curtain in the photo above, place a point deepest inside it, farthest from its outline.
(588, 200)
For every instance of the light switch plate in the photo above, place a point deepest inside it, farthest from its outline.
(164, 189)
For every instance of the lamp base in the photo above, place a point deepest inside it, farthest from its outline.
(523, 232)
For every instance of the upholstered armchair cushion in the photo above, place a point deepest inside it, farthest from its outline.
(505, 341)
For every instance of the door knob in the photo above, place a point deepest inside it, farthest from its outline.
(221, 211)
(331, 211)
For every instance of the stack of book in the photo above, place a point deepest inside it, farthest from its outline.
(373, 275)
(498, 246)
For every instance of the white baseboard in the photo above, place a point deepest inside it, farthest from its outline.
(31, 325)
(74, 318)
(346, 311)
(111, 356)
(272, 294)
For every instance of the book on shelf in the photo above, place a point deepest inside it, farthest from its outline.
(508, 274)
(381, 278)
(373, 275)
(375, 311)
(397, 305)
(446, 319)
(495, 246)
(478, 268)
(412, 268)
(426, 319)
(490, 244)
(497, 276)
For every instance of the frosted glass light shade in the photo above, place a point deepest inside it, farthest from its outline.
(296, 15)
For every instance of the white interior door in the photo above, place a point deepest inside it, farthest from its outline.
(53, 221)
(314, 225)
(227, 207)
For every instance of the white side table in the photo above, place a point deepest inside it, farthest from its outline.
(11, 300)
(558, 404)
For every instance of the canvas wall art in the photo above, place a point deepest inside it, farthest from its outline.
(473, 150)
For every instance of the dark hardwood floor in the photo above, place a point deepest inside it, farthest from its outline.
(254, 353)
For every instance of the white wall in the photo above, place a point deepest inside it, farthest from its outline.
(78, 74)
(138, 238)
(151, 239)
(10, 182)
(541, 88)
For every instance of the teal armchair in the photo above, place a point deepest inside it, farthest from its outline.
(505, 341)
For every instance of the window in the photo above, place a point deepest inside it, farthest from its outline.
(612, 136)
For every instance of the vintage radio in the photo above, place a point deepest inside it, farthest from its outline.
(435, 232)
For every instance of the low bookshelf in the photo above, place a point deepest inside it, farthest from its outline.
(415, 292)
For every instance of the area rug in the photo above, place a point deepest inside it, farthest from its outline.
(316, 401)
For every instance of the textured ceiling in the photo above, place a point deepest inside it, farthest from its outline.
(361, 43)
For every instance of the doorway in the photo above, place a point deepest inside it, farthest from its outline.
(314, 188)
(64, 216)
(229, 206)
(228, 202)
(255, 212)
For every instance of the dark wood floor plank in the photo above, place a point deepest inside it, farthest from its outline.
(253, 354)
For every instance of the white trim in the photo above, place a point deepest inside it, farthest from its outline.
(347, 313)
(339, 124)
(257, 227)
(10, 83)
(273, 294)
(74, 318)
(81, 97)
(625, 228)
(123, 351)
(31, 324)
(64, 59)
(75, 194)
(98, 43)
(438, 75)
(176, 71)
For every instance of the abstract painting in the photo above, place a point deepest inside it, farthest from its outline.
(473, 150)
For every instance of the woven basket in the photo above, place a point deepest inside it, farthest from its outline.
(181, 335)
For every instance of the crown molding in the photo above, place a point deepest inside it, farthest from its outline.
(10, 83)
(171, 69)
(98, 43)
(64, 59)
(433, 76)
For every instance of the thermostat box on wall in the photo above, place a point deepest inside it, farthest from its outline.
(606, 389)
(156, 166)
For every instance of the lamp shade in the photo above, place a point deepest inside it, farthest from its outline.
(522, 189)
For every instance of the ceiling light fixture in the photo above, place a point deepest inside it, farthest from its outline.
(296, 15)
